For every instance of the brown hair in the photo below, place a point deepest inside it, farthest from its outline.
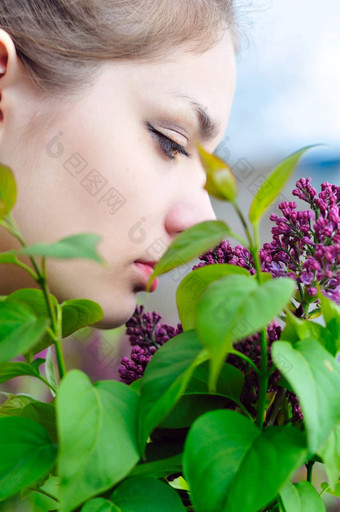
(62, 43)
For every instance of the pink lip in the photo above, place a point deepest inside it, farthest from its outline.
(146, 271)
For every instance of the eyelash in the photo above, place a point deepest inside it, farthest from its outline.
(166, 144)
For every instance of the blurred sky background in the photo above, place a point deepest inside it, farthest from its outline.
(287, 94)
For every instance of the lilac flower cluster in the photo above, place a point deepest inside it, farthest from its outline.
(306, 244)
(146, 335)
(224, 253)
(297, 414)
(251, 347)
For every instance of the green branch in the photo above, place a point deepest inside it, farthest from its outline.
(45, 493)
(41, 278)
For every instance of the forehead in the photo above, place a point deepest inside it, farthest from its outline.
(203, 84)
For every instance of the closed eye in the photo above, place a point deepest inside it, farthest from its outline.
(167, 145)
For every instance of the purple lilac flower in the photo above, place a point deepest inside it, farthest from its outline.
(251, 347)
(297, 414)
(146, 335)
(305, 244)
(224, 253)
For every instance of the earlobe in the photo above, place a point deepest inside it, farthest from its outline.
(3, 59)
(3, 67)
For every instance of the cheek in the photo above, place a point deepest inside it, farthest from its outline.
(101, 185)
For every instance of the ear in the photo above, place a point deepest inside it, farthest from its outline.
(9, 60)
(9, 65)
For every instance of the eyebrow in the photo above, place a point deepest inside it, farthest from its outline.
(207, 126)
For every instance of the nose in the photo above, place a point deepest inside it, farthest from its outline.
(191, 210)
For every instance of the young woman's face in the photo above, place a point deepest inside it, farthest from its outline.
(105, 164)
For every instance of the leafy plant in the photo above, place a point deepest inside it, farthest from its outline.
(217, 413)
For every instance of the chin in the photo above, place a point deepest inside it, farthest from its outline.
(116, 317)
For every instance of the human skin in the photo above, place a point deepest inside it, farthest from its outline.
(146, 198)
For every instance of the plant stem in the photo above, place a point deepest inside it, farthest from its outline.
(264, 376)
(19, 263)
(45, 493)
(245, 358)
(55, 326)
(41, 279)
(309, 467)
(276, 406)
(28, 358)
(324, 490)
(244, 223)
(255, 253)
(244, 410)
(48, 384)
(263, 381)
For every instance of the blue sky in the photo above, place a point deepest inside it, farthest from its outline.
(288, 90)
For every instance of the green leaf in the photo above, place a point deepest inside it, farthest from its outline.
(27, 407)
(195, 283)
(273, 185)
(135, 385)
(235, 307)
(229, 384)
(8, 257)
(315, 377)
(190, 407)
(15, 403)
(221, 182)
(165, 380)
(100, 505)
(8, 191)
(223, 450)
(299, 329)
(79, 313)
(97, 433)
(331, 315)
(44, 414)
(50, 372)
(81, 246)
(159, 468)
(189, 244)
(335, 492)
(20, 329)
(27, 454)
(301, 497)
(330, 454)
(9, 371)
(140, 494)
(35, 299)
